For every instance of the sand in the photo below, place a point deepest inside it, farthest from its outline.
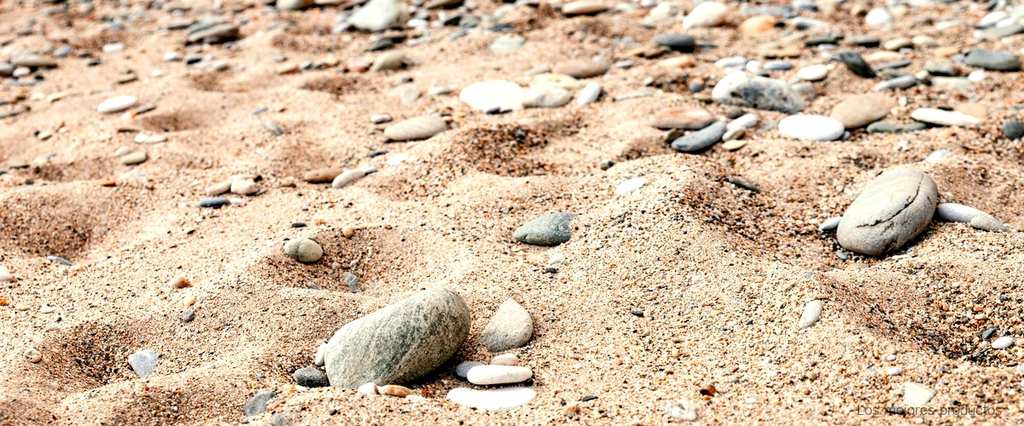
(719, 272)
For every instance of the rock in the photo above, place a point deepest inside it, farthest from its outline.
(462, 369)
(31, 60)
(212, 33)
(916, 395)
(878, 17)
(745, 90)
(701, 139)
(492, 399)
(758, 25)
(942, 68)
(367, 389)
(388, 61)
(986, 222)
(394, 390)
(507, 43)
(829, 225)
(510, 327)
(293, 4)
(629, 186)
(581, 68)
(589, 93)
(954, 212)
(681, 410)
(116, 104)
(583, 7)
(860, 110)
(890, 127)
(244, 186)
(322, 175)
(149, 138)
(892, 210)
(398, 343)
(901, 82)
(551, 229)
(213, 202)
(417, 128)
(303, 250)
(546, 97)
(683, 118)
(493, 96)
(677, 42)
(811, 313)
(856, 64)
(944, 118)
(498, 374)
(348, 177)
(379, 15)
(5, 275)
(258, 403)
(813, 73)
(134, 158)
(810, 127)
(992, 60)
(1002, 342)
(706, 14)
(310, 377)
(505, 359)
(1013, 129)
(143, 362)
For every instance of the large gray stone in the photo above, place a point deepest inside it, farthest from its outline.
(510, 327)
(551, 229)
(746, 90)
(892, 209)
(400, 342)
(992, 60)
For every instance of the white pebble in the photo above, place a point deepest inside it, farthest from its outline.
(811, 314)
(505, 359)
(492, 399)
(116, 104)
(813, 72)
(1002, 342)
(367, 389)
(498, 374)
(629, 186)
(810, 127)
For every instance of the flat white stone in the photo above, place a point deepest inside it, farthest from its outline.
(347, 178)
(811, 313)
(149, 138)
(589, 93)
(944, 118)
(830, 224)
(916, 395)
(5, 275)
(742, 122)
(1002, 342)
(493, 96)
(367, 389)
(810, 127)
(492, 399)
(498, 374)
(116, 104)
(379, 15)
(505, 359)
(813, 72)
(629, 186)
(546, 97)
(878, 17)
(706, 14)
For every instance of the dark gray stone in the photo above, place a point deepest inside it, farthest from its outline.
(676, 42)
(1013, 129)
(856, 64)
(992, 60)
(701, 139)
(310, 377)
(214, 202)
(258, 403)
(549, 230)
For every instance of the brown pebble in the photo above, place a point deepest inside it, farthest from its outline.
(348, 231)
(324, 175)
(180, 283)
(33, 356)
(394, 390)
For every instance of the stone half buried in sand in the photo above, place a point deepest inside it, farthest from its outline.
(493, 96)
(741, 89)
(892, 210)
(551, 229)
(510, 327)
(398, 343)
(379, 15)
(492, 399)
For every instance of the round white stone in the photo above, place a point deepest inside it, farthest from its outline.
(493, 399)
(811, 127)
(706, 14)
(116, 104)
(498, 374)
(1002, 342)
(813, 72)
(493, 96)
(811, 313)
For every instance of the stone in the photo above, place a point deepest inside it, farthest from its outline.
(758, 25)
(303, 250)
(505, 359)
(149, 138)
(5, 275)
(700, 140)
(213, 202)
(901, 82)
(856, 64)
(581, 68)
(116, 104)
(813, 72)
(293, 4)
(942, 117)
(492, 399)
(744, 90)
(992, 60)
(890, 211)
(510, 327)
(1002, 342)
(1013, 129)
(683, 118)
(32, 60)
(321, 175)
(583, 7)
(706, 14)
(379, 15)
(388, 61)
(310, 377)
(589, 94)
(677, 42)
(988, 223)
(398, 343)
(498, 374)
(212, 33)
(682, 410)
(367, 389)
(629, 186)
(546, 97)
(394, 390)
(134, 158)
(916, 395)
(507, 43)
(829, 225)
(347, 178)
(857, 111)
(218, 188)
(417, 128)
(941, 68)
(811, 313)
(810, 127)
(890, 127)
(143, 362)
(245, 186)
(550, 229)
(493, 96)
(878, 17)
(462, 369)
(258, 403)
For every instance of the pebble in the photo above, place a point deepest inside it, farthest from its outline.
(400, 342)
(493, 96)
(992, 60)
(954, 212)
(414, 129)
(179, 282)
(583, 7)
(629, 186)
(890, 211)
(744, 90)
(813, 72)
(811, 127)
(310, 377)
(388, 61)
(700, 140)
(894, 371)
(681, 410)
(901, 82)
(706, 14)
(143, 362)
(676, 42)
(829, 225)
(916, 395)
(811, 313)
(1013, 129)
(683, 118)
(367, 389)
(134, 158)
(5, 275)
(149, 138)
(380, 118)
(857, 111)
(550, 229)
(589, 94)
(394, 390)
(505, 359)
(187, 315)
(546, 97)
(856, 64)
(510, 327)
(116, 104)
(582, 68)
(379, 15)
(944, 118)
(498, 374)
(322, 175)
(244, 186)
(492, 399)
(213, 202)
(890, 127)
(303, 250)
(348, 177)
(758, 25)
(293, 4)
(462, 369)
(258, 403)
(878, 17)
(1002, 342)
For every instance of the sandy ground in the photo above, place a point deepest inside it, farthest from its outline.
(720, 272)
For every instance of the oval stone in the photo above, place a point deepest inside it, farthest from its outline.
(860, 110)
(415, 129)
(581, 68)
(892, 210)
(116, 104)
(510, 327)
(493, 96)
(810, 127)
(683, 118)
(491, 399)
(498, 374)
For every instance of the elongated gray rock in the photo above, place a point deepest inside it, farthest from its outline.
(739, 88)
(398, 343)
(551, 229)
(701, 139)
(954, 212)
(892, 209)
(510, 327)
